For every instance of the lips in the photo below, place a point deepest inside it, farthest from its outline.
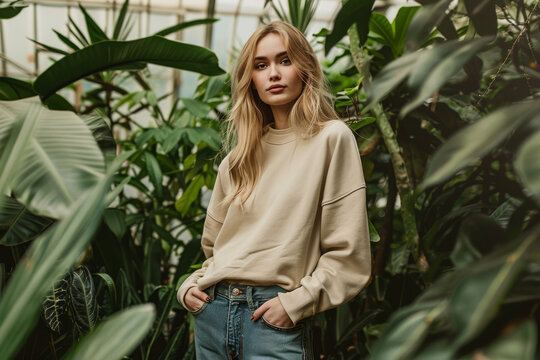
(276, 87)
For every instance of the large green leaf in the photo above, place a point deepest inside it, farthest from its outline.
(117, 336)
(45, 262)
(527, 164)
(196, 107)
(49, 158)
(477, 298)
(472, 142)
(423, 23)
(406, 331)
(119, 24)
(15, 89)
(437, 65)
(190, 194)
(390, 77)
(11, 10)
(17, 224)
(154, 172)
(95, 32)
(400, 25)
(82, 299)
(55, 306)
(483, 16)
(103, 135)
(380, 26)
(520, 344)
(471, 244)
(352, 12)
(108, 54)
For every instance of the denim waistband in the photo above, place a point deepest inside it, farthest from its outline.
(242, 292)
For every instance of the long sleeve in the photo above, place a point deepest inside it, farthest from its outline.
(344, 266)
(215, 214)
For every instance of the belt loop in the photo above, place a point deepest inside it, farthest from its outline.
(211, 291)
(249, 293)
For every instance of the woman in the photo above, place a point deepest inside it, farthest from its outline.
(286, 233)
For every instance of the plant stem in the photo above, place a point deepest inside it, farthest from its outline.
(403, 183)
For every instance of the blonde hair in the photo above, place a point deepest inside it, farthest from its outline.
(250, 118)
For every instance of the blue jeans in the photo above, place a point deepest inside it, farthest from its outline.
(223, 329)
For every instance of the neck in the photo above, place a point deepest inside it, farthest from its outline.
(281, 116)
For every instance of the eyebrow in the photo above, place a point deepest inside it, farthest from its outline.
(265, 58)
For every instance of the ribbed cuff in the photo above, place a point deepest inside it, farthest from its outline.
(297, 303)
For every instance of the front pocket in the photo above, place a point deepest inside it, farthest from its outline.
(280, 328)
(199, 310)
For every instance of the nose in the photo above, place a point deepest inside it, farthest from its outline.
(274, 73)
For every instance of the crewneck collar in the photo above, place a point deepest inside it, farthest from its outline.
(278, 136)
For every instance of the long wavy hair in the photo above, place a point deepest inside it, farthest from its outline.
(250, 118)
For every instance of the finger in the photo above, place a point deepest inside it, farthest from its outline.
(260, 311)
(201, 295)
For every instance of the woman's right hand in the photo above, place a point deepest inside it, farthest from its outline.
(195, 298)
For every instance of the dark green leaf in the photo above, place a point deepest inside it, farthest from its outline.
(55, 306)
(82, 299)
(17, 224)
(196, 107)
(104, 55)
(472, 142)
(477, 236)
(12, 10)
(423, 23)
(117, 336)
(95, 32)
(483, 16)
(154, 171)
(436, 66)
(527, 164)
(120, 20)
(115, 220)
(477, 298)
(401, 25)
(190, 194)
(352, 12)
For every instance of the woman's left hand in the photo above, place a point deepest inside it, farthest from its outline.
(274, 313)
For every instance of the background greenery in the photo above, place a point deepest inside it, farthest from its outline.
(444, 103)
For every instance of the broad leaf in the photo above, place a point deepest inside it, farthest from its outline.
(117, 336)
(477, 298)
(108, 54)
(17, 224)
(55, 306)
(401, 24)
(46, 261)
(423, 23)
(49, 158)
(527, 164)
(483, 16)
(82, 299)
(473, 142)
(352, 12)
(437, 65)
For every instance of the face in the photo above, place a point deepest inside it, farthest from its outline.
(274, 76)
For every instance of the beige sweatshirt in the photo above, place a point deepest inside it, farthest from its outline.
(304, 227)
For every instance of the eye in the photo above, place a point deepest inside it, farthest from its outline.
(286, 60)
(259, 66)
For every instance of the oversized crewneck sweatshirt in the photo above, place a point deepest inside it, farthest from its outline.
(304, 227)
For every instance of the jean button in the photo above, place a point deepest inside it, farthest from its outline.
(235, 291)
